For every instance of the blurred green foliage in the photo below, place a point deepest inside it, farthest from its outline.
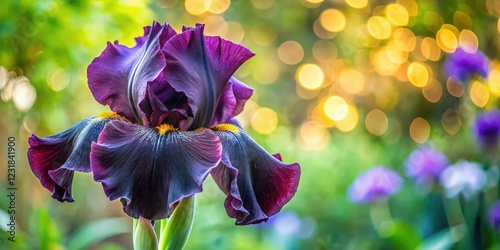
(52, 42)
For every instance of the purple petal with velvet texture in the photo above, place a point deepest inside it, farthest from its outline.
(150, 171)
(53, 159)
(200, 67)
(232, 100)
(118, 77)
(177, 114)
(257, 184)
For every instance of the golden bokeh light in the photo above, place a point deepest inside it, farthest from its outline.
(447, 39)
(418, 74)
(469, 41)
(379, 58)
(313, 136)
(396, 55)
(430, 49)
(335, 107)
(350, 120)
(247, 113)
(263, 34)
(397, 14)
(324, 51)
(58, 80)
(451, 121)
(479, 94)
(376, 122)
(494, 82)
(264, 120)
(218, 6)
(352, 81)
(420, 130)
(433, 21)
(332, 20)
(379, 27)
(266, 71)
(433, 91)
(404, 39)
(291, 52)
(232, 31)
(462, 20)
(357, 4)
(313, 133)
(310, 76)
(196, 7)
(455, 88)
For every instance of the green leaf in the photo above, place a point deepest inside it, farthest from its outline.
(444, 239)
(175, 231)
(96, 231)
(144, 235)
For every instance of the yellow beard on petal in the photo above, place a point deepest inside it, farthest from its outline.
(225, 127)
(109, 115)
(162, 129)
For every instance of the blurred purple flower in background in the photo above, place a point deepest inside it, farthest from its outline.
(375, 184)
(425, 164)
(494, 215)
(463, 177)
(462, 65)
(487, 130)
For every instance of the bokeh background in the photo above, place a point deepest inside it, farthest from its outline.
(340, 86)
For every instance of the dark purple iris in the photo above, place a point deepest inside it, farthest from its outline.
(487, 130)
(375, 184)
(462, 65)
(174, 100)
(494, 215)
(425, 164)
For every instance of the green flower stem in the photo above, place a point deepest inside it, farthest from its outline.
(174, 233)
(455, 217)
(381, 218)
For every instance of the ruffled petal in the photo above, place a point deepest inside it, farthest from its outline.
(200, 67)
(54, 159)
(176, 114)
(152, 169)
(257, 184)
(232, 100)
(119, 76)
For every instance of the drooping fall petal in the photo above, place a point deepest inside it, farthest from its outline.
(119, 76)
(200, 67)
(257, 184)
(152, 169)
(54, 159)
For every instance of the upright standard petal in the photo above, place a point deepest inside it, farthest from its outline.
(118, 77)
(54, 159)
(200, 67)
(257, 184)
(152, 169)
(231, 102)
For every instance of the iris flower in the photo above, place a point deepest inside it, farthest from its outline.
(174, 100)
(463, 177)
(425, 164)
(494, 215)
(487, 130)
(462, 65)
(376, 184)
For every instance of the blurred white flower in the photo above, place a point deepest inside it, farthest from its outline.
(463, 177)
